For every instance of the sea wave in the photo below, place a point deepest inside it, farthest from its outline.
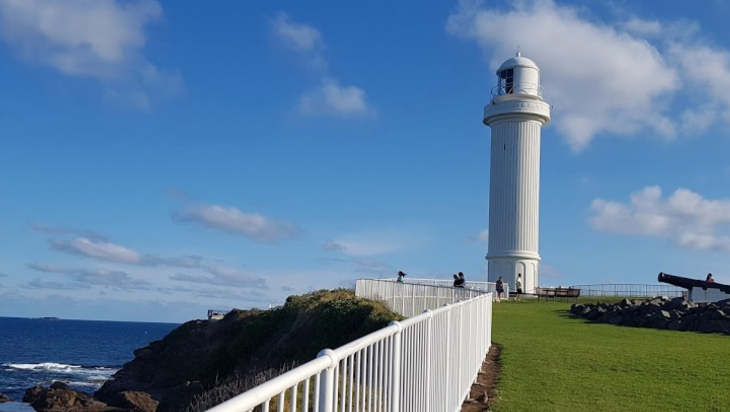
(91, 384)
(89, 372)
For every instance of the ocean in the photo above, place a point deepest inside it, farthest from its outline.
(81, 353)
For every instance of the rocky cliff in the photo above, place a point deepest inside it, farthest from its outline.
(200, 355)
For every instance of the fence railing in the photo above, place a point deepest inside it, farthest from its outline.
(425, 363)
(490, 287)
(630, 290)
(410, 299)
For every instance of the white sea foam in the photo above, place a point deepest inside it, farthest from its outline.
(46, 366)
(93, 373)
(93, 384)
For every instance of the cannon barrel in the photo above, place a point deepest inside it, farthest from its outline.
(679, 281)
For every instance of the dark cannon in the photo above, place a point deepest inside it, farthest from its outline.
(679, 281)
(689, 284)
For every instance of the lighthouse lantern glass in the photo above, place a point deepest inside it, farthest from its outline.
(506, 81)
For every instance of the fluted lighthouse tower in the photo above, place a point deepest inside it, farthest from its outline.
(515, 114)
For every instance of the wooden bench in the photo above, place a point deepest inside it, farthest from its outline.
(548, 293)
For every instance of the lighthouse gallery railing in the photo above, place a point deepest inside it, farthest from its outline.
(425, 363)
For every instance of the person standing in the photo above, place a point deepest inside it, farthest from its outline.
(459, 280)
(500, 289)
(401, 276)
(518, 285)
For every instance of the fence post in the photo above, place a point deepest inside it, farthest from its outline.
(429, 356)
(402, 301)
(327, 387)
(395, 379)
(448, 353)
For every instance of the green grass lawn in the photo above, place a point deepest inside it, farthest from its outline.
(552, 362)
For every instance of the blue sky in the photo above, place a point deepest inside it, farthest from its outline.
(161, 158)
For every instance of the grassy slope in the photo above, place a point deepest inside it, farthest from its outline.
(552, 362)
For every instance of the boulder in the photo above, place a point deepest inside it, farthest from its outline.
(706, 326)
(658, 301)
(719, 315)
(58, 397)
(4, 398)
(59, 385)
(676, 303)
(33, 394)
(673, 325)
(135, 401)
(659, 322)
(626, 321)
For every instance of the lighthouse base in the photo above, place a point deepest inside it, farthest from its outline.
(509, 267)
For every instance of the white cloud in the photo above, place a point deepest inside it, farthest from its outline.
(233, 274)
(232, 220)
(58, 230)
(619, 77)
(185, 261)
(330, 98)
(304, 40)
(116, 279)
(332, 246)
(684, 218)
(642, 27)
(705, 69)
(100, 39)
(101, 250)
(42, 284)
(367, 247)
(241, 280)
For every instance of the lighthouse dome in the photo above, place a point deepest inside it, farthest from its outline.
(518, 61)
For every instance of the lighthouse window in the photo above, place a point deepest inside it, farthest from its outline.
(508, 77)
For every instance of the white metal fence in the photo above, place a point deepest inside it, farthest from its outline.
(410, 298)
(490, 287)
(630, 290)
(425, 363)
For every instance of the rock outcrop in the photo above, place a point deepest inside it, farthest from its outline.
(60, 398)
(135, 401)
(4, 398)
(200, 355)
(660, 313)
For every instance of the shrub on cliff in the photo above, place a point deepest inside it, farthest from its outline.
(297, 331)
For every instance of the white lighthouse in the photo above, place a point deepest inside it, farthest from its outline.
(516, 114)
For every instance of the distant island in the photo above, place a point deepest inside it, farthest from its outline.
(49, 318)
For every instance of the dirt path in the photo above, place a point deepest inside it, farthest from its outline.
(482, 395)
